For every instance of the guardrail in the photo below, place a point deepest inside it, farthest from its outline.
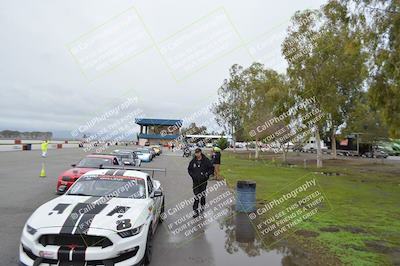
(27, 145)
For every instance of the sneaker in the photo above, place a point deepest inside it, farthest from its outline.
(195, 214)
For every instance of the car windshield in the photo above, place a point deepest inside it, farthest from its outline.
(94, 162)
(144, 151)
(125, 156)
(109, 186)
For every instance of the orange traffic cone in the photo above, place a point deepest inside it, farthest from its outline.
(43, 171)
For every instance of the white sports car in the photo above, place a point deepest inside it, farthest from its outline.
(108, 217)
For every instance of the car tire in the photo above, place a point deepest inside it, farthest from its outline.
(149, 247)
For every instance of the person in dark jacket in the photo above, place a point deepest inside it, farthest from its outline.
(199, 169)
(216, 160)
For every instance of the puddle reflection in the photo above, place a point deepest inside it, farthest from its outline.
(242, 240)
(222, 236)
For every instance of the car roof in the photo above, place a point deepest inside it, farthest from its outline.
(101, 156)
(117, 172)
(123, 151)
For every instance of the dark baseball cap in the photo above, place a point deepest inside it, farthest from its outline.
(197, 150)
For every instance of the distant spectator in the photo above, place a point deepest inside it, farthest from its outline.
(44, 147)
(216, 160)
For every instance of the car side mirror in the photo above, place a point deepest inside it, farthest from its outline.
(157, 193)
(156, 184)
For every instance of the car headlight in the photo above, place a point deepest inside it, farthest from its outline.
(30, 230)
(130, 232)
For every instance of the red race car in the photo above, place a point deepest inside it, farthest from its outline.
(90, 162)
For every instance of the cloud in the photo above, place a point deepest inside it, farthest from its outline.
(42, 86)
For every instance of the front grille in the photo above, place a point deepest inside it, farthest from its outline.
(75, 240)
(118, 259)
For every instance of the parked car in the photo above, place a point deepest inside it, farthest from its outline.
(108, 217)
(240, 145)
(144, 155)
(128, 157)
(311, 145)
(157, 149)
(90, 162)
(375, 153)
(148, 150)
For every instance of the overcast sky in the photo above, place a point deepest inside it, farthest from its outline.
(171, 55)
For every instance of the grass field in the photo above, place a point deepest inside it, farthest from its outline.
(363, 226)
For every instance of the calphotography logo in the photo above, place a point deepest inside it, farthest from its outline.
(109, 45)
(286, 210)
(179, 216)
(199, 44)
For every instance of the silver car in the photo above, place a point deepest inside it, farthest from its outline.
(128, 157)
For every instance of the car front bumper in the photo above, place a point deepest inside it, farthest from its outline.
(123, 252)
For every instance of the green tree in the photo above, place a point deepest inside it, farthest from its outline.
(226, 109)
(380, 21)
(325, 61)
(246, 99)
(222, 143)
(366, 122)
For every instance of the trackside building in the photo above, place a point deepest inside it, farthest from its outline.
(158, 131)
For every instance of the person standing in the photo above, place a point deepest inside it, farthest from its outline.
(44, 147)
(199, 169)
(216, 160)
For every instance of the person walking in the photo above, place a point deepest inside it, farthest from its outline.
(44, 147)
(199, 169)
(216, 160)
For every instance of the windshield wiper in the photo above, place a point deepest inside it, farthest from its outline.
(79, 194)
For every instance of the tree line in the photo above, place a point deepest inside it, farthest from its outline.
(346, 54)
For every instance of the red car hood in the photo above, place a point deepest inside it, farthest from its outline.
(76, 172)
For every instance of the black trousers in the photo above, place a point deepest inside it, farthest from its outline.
(199, 195)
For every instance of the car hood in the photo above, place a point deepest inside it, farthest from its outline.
(75, 214)
(76, 172)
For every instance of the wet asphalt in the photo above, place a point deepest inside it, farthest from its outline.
(219, 236)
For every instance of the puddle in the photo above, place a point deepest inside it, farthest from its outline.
(229, 239)
(235, 241)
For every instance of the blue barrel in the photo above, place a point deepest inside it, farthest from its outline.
(244, 230)
(246, 196)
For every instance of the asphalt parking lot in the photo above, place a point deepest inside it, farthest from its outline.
(219, 242)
